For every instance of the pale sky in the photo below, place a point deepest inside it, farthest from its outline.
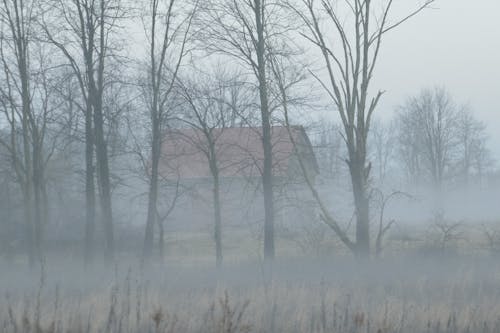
(456, 45)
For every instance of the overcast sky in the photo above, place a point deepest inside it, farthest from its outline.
(456, 45)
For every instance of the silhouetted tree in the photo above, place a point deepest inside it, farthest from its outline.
(350, 66)
(246, 31)
(210, 108)
(168, 28)
(83, 31)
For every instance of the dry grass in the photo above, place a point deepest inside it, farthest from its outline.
(407, 296)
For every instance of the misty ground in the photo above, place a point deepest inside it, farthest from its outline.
(412, 291)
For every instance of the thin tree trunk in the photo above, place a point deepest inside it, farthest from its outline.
(28, 219)
(29, 149)
(38, 196)
(45, 203)
(161, 242)
(160, 90)
(26, 113)
(217, 220)
(89, 189)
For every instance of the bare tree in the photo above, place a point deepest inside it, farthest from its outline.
(244, 31)
(432, 118)
(350, 65)
(440, 139)
(384, 227)
(83, 31)
(139, 145)
(210, 101)
(327, 142)
(492, 238)
(409, 149)
(483, 161)
(381, 147)
(168, 30)
(177, 193)
(25, 101)
(471, 134)
(447, 233)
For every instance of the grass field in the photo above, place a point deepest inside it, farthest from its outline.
(314, 286)
(407, 294)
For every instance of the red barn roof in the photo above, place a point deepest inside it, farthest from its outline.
(239, 152)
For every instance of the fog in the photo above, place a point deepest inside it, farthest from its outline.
(313, 296)
(453, 45)
(249, 166)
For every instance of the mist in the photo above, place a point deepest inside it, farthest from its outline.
(249, 166)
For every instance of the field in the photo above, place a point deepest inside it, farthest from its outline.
(406, 293)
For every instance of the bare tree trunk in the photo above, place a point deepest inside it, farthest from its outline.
(87, 28)
(217, 217)
(161, 242)
(362, 206)
(45, 203)
(160, 53)
(28, 193)
(350, 65)
(104, 180)
(243, 30)
(21, 44)
(155, 141)
(18, 17)
(100, 141)
(28, 220)
(153, 187)
(267, 174)
(210, 117)
(89, 188)
(38, 175)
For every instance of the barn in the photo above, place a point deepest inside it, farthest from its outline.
(188, 180)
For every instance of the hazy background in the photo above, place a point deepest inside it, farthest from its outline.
(436, 267)
(456, 45)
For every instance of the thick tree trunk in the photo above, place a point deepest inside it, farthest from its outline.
(100, 141)
(267, 174)
(268, 198)
(362, 206)
(152, 214)
(214, 170)
(104, 180)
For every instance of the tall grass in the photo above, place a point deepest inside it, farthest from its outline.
(406, 296)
